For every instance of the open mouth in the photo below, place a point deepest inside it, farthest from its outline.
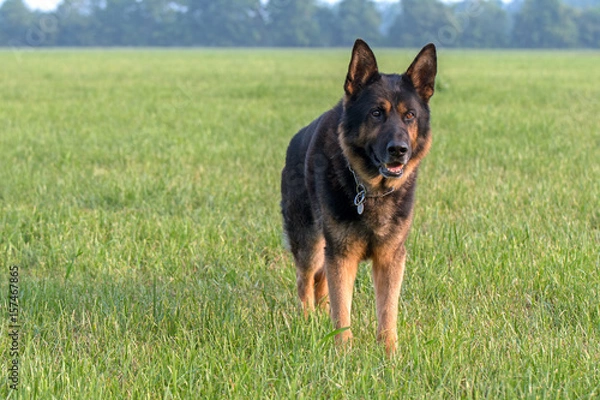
(392, 170)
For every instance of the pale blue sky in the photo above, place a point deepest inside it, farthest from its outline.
(51, 4)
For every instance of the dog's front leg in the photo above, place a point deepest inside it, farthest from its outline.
(388, 271)
(341, 273)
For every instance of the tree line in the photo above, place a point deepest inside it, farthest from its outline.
(405, 23)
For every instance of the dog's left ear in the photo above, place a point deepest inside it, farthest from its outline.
(422, 71)
(362, 69)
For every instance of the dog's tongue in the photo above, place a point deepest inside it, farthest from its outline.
(395, 168)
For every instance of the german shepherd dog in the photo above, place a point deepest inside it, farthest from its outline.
(348, 188)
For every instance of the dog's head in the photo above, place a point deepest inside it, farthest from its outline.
(385, 130)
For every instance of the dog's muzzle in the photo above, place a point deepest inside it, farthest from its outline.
(397, 155)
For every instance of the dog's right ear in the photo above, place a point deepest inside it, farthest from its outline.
(362, 69)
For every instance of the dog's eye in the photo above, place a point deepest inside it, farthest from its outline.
(409, 116)
(376, 113)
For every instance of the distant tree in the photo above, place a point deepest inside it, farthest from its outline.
(159, 22)
(15, 22)
(481, 24)
(76, 23)
(358, 18)
(467, 23)
(421, 21)
(328, 27)
(292, 23)
(118, 23)
(224, 22)
(545, 24)
(388, 13)
(588, 23)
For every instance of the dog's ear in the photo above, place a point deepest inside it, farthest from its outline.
(362, 69)
(422, 71)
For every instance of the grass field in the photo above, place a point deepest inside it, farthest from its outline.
(139, 197)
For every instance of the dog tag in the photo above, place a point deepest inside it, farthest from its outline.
(360, 197)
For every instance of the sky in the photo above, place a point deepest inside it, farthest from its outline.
(47, 5)
(44, 5)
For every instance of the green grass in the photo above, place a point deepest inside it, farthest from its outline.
(139, 198)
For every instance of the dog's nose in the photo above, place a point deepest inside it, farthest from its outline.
(397, 149)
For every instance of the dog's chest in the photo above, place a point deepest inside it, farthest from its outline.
(380, 217)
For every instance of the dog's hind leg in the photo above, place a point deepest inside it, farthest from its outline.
(310, 277)
(321, 290)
